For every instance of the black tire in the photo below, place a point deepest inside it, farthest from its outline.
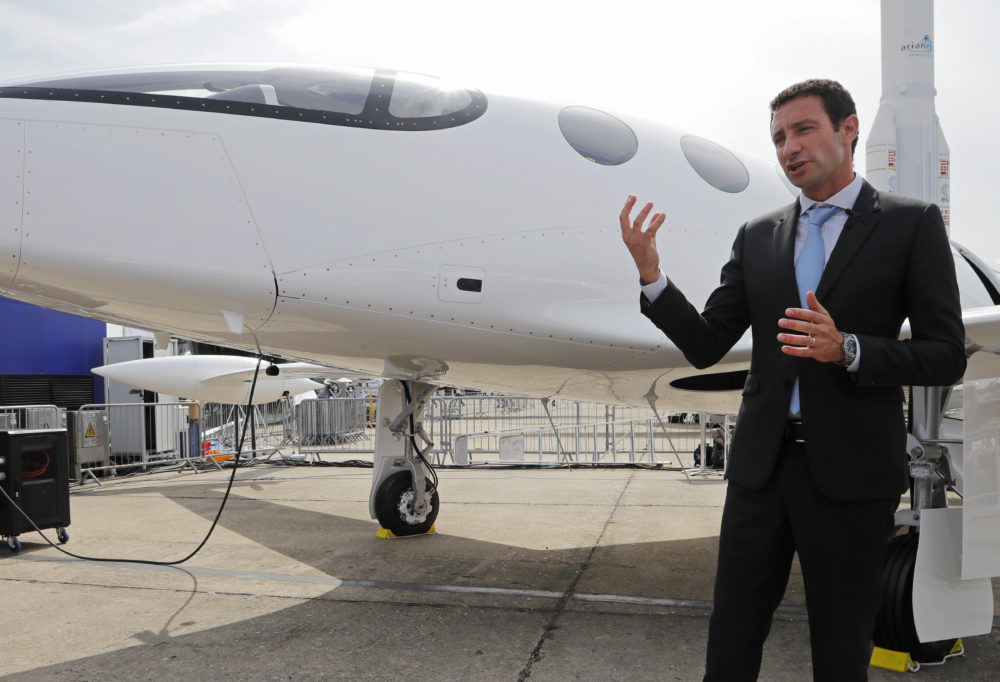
(389, 502)
(894, 627)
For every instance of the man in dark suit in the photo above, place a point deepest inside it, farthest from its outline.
(817, 462)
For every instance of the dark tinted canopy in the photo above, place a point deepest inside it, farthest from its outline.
(372, 98)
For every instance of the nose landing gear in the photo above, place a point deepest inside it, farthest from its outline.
(404, 496)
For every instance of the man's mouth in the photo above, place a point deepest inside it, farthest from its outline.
(792, 167)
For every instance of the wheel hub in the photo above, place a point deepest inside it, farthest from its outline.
(406, 511)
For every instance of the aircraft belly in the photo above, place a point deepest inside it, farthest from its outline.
(490, 311)
(506, 283)
(11, 197)
(392, 343)
(349, 330)
(161, 210)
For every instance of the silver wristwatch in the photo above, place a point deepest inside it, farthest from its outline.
(850, 349)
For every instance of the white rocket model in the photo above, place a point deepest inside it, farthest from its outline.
(907, 152)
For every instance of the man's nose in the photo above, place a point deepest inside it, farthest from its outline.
(791, 146)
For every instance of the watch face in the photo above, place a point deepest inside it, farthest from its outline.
(850, 346)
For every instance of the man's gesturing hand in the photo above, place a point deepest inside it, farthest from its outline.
(642, 243)
(819, 338)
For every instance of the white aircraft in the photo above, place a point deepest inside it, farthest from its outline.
(393, 225)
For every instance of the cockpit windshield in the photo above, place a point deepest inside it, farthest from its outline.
(416, 96)
(369, 97)
(341, 90)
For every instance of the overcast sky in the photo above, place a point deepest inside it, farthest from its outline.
(708, 66)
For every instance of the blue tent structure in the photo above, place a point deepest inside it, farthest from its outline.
(46, 356)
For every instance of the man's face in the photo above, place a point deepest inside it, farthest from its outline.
(815, 157)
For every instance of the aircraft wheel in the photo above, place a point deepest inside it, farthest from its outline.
(394, 506)
(894, 627)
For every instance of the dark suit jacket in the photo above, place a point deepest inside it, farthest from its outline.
(892, 262)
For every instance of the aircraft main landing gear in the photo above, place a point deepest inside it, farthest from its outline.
(895, 630)
(894, 627)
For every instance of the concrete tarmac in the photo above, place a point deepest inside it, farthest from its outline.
(533, 575)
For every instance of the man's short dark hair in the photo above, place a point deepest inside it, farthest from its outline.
(837, 101)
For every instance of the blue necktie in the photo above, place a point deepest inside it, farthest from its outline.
(809, 269)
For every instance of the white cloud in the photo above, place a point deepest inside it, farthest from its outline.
(174, 16)
(31, 30)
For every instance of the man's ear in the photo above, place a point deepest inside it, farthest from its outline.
(849, 128)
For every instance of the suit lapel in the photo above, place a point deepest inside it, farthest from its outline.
(784, 253)
(860, 223)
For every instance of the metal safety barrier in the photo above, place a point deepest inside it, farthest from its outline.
(581, 426)
(269, 427)
(334, 425)
(630, 441)
(146, 433)
(477, 429)
(32, 417)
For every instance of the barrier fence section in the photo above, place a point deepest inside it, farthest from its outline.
(107, 437)
(485, 429)
(223, 425)
(32, 417)
(478, 429)
(334, 425)
(674, 444)
(450, 417)
(147, 433)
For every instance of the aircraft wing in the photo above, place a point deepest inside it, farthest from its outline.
(290, 370)
(982, 342)
(220, 378)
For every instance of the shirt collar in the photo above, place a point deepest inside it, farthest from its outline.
(845, 198)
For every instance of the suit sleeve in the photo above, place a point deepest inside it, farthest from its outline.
(705, 337)
(935, 353)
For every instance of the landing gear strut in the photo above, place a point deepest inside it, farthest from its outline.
(404, 495)
(930, 473)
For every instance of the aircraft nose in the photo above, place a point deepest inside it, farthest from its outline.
(103, 205)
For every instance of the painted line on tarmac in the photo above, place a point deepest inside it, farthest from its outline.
(703, 604)
(403, 586)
